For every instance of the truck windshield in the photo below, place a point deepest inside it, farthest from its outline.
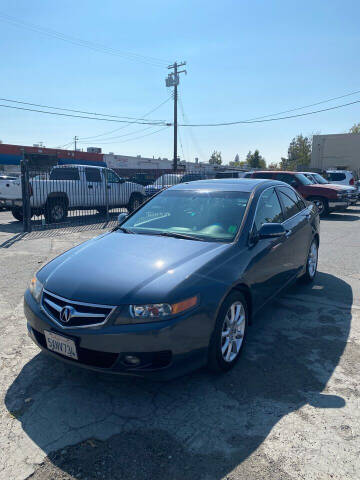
(303, 180)
(320, 179)
(195, 214)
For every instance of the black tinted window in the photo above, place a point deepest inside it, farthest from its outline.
(336, 177)
(262, 175)
(64, 174)
(92, 175)
(286, 177)
(268, 209)
(291, 202)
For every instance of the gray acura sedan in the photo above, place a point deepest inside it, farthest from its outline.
(174, 286)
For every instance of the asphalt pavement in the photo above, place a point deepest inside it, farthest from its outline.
(288, 410)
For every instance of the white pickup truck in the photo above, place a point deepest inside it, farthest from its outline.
(71, 187)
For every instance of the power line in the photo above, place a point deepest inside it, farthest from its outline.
(123, 135)
(84, 43)
(267, 120)
(81, 111)
(135, 138)
(143, 122)
(306, 106)
(129, 123)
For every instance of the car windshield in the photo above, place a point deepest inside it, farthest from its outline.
(320, 179)
(310, 177)
(168, 179)
(303, 180)
(194, 214)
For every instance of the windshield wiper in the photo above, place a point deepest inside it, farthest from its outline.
(123, 229)
(179, 235)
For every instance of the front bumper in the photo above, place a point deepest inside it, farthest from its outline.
(167, 349)
(5, 202)
(339, 204)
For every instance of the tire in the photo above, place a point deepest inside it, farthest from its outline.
(221, 356)
(136, 200)
(311, 263)
(56, 210)
(17, 213)
(322, 205)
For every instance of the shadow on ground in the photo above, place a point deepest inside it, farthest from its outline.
(200, 426)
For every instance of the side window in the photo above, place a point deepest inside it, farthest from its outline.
(262, 175)
(268, 209)
(336, 177)
(287, 178)
(92, 175)
(290, 202)
(112, 177)
(64, 173)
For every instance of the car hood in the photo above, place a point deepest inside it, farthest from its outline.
(329, 186)
(119, 268)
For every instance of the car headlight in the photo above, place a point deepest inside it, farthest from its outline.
(36, 288)
(158, 311)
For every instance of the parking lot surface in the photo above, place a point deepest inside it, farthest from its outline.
(288, 410)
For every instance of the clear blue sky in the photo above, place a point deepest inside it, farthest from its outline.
(245, 59)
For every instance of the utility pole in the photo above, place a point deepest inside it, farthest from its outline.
(173, 80)
(75, 140)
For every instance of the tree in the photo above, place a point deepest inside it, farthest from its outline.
(215, 158)
(299, 153)
(273, 166)
(355, 128)
(255, 160)
(237, 158)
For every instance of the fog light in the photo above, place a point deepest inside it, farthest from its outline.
(132, 360)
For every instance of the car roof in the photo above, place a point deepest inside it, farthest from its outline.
(226, 184)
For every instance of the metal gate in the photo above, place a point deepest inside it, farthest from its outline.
(69, 195)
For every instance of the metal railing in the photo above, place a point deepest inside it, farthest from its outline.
(71, 195)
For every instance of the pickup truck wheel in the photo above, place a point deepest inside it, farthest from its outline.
(55, 210)
(136, 200)
(17, 213)
(322, 205)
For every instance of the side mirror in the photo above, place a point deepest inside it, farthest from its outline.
(271, 230)
(122, 217)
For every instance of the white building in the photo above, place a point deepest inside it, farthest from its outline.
(341, 150)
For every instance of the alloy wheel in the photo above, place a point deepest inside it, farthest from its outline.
(312, 259)
(233, 331)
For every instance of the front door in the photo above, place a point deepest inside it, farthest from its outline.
(268, 270)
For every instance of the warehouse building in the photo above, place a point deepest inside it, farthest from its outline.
(339, 151)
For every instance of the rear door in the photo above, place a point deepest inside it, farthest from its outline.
(95, 187)
(297, 224)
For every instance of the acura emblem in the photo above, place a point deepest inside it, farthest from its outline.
(66, 313)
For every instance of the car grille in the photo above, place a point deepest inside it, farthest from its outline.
(79, 314)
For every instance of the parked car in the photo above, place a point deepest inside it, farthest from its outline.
(70, 187)
(342, 177)
(316, 178)
(176, 284)
(231, 174)
(169, 179)
(327, 198)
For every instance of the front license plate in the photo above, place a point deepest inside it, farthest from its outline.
(59, 344)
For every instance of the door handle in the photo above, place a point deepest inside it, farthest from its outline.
(288, 233)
